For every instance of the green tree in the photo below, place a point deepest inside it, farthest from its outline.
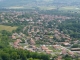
(14, 55)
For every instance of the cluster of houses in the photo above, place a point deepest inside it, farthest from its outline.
(31, 46)
(46, 49)
(35, 33)
(20, 16)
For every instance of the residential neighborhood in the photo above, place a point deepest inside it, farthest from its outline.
(39, 33)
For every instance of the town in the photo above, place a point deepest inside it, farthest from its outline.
(38, 32)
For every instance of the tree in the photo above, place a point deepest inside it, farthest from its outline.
(5, 56)
(14, 56)
(75, 46)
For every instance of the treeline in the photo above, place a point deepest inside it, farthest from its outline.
(18, 54)
(61, 13)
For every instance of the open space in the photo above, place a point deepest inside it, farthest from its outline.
(7, 28)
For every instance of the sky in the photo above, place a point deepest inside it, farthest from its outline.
(4, 3)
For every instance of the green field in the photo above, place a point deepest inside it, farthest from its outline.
(46, 7)
(70, 8)
(7, 28)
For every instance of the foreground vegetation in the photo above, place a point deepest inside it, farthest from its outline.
(18, 54)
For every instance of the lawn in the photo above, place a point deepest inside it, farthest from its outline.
(7, 28)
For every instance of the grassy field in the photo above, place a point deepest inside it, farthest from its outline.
(7, 28)
(46, 7)
(21, 7)
(70, 8)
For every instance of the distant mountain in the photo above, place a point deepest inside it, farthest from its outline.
(34, 3)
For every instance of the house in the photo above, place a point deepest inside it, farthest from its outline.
(66, 44)
(49, 51)
(75, 49)
(13, 37)
(64, 51)
(16, 43)
(32, 42)
(71, 53)
(56, 46)
(44, 48)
